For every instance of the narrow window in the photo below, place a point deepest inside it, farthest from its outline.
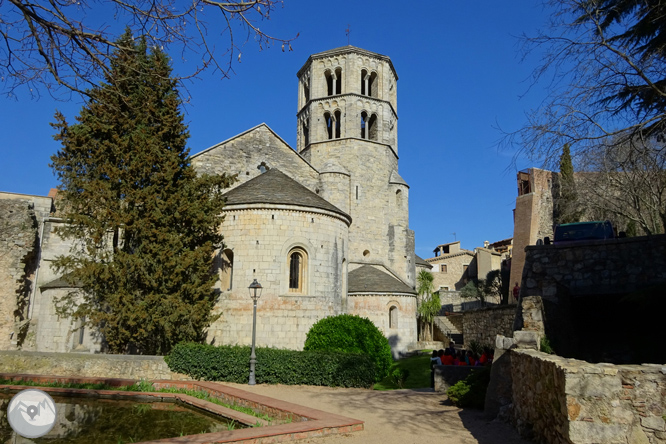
(227, 270)
(337, 124)
(372, 127)
(372, 85)
(328, 120)
(442, 268)
(364, 118)
(356, 192)
(338, 81)
(364, 82)
(329, 82)
(297, 265)
(306, 133)
(306, 92)
(398, 198)
(393, 317)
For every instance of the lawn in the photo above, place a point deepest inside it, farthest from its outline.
(419, 373)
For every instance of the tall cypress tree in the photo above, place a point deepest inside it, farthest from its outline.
(145, 226)
(567, 202)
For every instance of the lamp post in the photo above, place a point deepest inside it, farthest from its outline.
(255, 293)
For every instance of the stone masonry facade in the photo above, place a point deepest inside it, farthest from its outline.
(297, 220)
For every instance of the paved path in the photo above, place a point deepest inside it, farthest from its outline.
(395, 417)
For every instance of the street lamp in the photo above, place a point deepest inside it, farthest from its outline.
(255, 293)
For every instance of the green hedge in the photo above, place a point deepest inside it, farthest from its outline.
(351, 334)
(274, 366)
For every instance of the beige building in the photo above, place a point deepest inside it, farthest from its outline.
(453, 267)
(324, 228)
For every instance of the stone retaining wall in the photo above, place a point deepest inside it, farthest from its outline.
(484, 324)
(560, 400)
(87, 365)
(448, 375)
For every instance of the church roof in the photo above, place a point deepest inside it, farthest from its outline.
(275, 187)
(345, 50)
(61, 282)
(368, 279)
(418, 260)
(395, 178)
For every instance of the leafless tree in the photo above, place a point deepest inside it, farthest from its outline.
(63, 45)
(626, 183)
(605, 67)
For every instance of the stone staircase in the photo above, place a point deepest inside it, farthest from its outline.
(449, 330)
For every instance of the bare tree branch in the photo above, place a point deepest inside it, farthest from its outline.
(55, 44)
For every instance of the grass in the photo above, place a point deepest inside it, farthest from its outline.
(143, 386)
(419, 373)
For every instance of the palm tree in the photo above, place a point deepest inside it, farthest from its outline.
(428, 303)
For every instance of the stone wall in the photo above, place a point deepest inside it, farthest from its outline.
(18, 256)
(87, 365)
(594, 267)
(559, 400)
(261, 240)
(590, 289)
(376, 308)
(484, 324)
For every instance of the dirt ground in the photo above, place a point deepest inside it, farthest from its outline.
(395, 417)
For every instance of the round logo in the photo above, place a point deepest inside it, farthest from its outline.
(31, 413)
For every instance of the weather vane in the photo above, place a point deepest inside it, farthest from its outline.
(347, 32)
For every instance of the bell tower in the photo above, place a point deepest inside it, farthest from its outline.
(348, 94)
(348, 130)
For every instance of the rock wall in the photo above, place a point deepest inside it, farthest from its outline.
(18, 238)
(484, 324)
(559, 400)
(87, 365)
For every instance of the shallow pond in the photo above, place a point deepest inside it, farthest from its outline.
(83, 420)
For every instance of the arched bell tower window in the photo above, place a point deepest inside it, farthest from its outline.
(297, 261)
(368, 83)
(333, 81)
(328, 121)
(338, 81)
(372, 85)
(337, 115)
(372, 127)
(306, 133)
(364, 121)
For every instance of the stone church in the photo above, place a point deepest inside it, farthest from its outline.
(323, 228)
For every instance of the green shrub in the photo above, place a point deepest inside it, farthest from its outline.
(351, 334)
(398, 376)
(232, 364)
(545, 346)
(471, 392)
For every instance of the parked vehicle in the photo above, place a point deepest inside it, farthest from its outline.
(582, 231)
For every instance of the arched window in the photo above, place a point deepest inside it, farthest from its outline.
(372, 85)
(297, 261)
(372, 127)
(337, 124)
(306, 133)
(393, 317)
(364, 84)
(364, 120)
(330, 81)
(338, 81)
(227, 270)
(398, 198)
(328, 121)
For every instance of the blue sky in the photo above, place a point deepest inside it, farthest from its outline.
(460, 76)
